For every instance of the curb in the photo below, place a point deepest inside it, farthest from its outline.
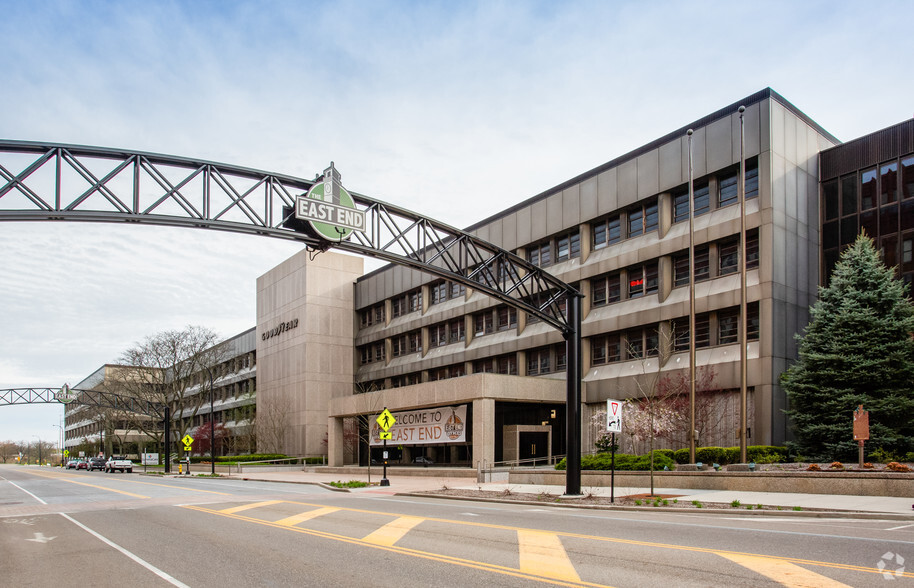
(823, 514)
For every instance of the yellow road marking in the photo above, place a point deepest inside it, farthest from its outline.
(402, 550)
(393, 531)
(784, 572)
(543, 554)
(63, 479)
(61, 476)
(235, 509)
(795, 560)
(305, 516)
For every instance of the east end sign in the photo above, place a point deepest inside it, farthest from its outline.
(434, 426)
(330, 209)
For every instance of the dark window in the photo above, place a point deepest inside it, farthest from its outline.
(399, 306)
(830, 194)
(752, 321)
(606, 289)
(484, 366)
(540, 255)
(651, 218)
(752, 249)
(635, 282)
(701, 195)
(635, 222)
(607, 232)
(868, 190)
(728, 190)
(681, 206)
(849, 229)
(415, 341)
(456, 330)
(651, 278)
(634, 341)
(849, 195)
(538, 362)
(703, 330)
(680, 328)
(888, 183)
(868, 223)
(830, 235)
(727, 326)
(888, 220)
(907, 177)
(681, 269)
(702, 263)
(506, 318)
(398, 346)
(568, 246)
(728, 257)
(507, 364)
(907, 215)
(484, 322)
(414, 300)
(752, 179)
(890, 250)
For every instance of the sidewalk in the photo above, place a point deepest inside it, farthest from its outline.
(404, 484)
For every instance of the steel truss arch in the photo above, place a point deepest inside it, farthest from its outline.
(59, 182)
(97, 398)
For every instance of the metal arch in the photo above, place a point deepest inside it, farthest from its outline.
(84, 397)
(52, 181)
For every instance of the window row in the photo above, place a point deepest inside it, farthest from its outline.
(555, 250)
(447, 332)
(869, 188)
(503, 364)
(407, 303)
(444, 290)
(405, 344)
(727, 191)
(373, 315)
(373, 352)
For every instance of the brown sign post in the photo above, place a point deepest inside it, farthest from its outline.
(861, 431)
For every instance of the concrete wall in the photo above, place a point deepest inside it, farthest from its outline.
(300, 368)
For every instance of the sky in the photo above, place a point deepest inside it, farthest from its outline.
(456, 110)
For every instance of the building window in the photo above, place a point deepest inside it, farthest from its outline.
(752, 321)
(643, 219)
(752, 249)
(728, 257)
(456, 331)
(373, 352)
(907, 177)
(752, 178)
(501, 318)
(868, 189)
(681, 206)
(702, 263)
(703, 330)
(680, 334)
(451, 371)
(442, 291)
(888, 183)
(372, 316)
(538, 362)
(507, 364)
(540, 255)
(607, 232)
(398, 306)
(728, 190)
(405, 380)
(681, 269)
(484, 366)
(605, 349)
(651, 217)
(414, 299)
(568, 246)
(399, 346)
(606, 289)
(702, 198)
(727, 326)
(643, 280)
(830, 196)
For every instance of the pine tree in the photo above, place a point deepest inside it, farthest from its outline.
(857, 349)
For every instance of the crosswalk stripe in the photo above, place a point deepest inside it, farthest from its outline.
(248, 506)
(783, 572)
(393, 531)
(305, 516)
(544, 555)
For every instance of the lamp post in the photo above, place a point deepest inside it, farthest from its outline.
(212, 427)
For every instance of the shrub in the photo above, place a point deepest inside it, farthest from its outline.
(894, 466)
(813, 467)
(711, 455)
(836, 465)
(624, 462)
(681, 455)
(766, 453)
(883, 456)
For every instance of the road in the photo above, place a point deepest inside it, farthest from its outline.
(66, 528)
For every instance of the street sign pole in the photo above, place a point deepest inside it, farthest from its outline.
(385, 420)
(384, 480)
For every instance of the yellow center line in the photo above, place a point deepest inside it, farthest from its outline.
(67, 476)
(783, 572)
(402, 550)
(796, 560)
(235, 509)
(63, 479)
(305, 516)
(393, 531)
(543, 554)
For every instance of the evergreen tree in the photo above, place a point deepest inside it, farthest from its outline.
(857, 349)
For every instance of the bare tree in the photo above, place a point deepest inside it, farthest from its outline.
(272, 424)
(173, 368)
(244, 434)
(8, 450)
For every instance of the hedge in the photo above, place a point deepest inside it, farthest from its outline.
(237, 458)
(727, 455)
(624, 461)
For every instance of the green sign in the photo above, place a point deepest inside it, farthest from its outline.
(330, 209)
(65, 395)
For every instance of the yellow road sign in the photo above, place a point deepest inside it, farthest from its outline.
(386, 420)
(387, 435)
(187, 448)
(187, 440)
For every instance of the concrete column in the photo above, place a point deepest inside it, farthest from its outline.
(483, 431)
(586, 240)
(335, 443)
(665, 213)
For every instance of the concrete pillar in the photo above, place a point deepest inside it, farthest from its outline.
(483, 431)
(335, 443)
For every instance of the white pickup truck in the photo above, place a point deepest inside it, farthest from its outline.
(118, 462)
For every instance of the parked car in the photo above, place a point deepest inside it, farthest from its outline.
(424, 461)
(72, 464)
(118, 462)
(97, 463)
(82, 465)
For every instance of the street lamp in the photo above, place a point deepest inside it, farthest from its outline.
(212, 427)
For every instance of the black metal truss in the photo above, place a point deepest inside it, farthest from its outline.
(51, 181)
(94, 398)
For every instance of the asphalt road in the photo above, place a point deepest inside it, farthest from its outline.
(76, 528)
